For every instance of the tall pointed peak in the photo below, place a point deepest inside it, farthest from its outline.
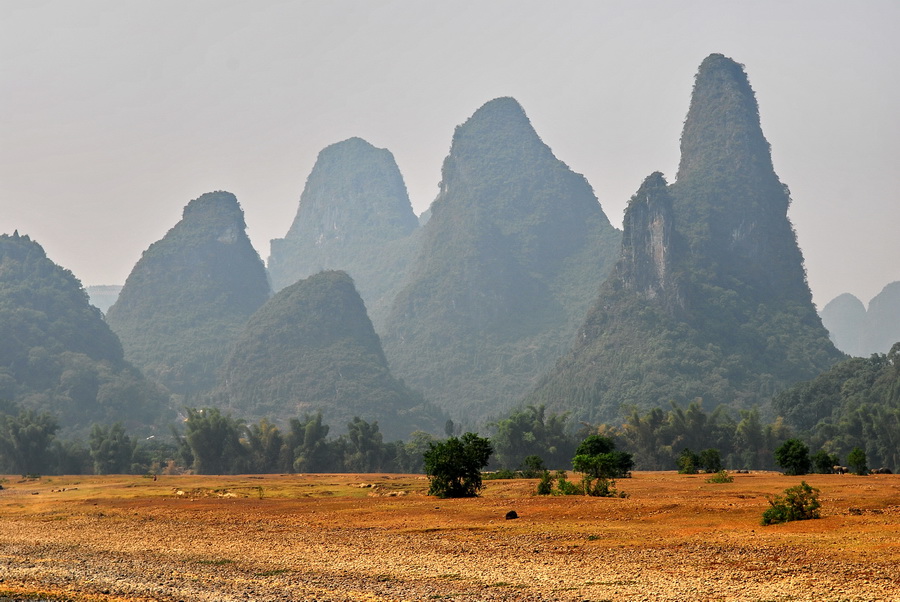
(218, 203)
(722, 132)
(498, 117)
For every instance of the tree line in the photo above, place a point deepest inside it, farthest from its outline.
(212, 442)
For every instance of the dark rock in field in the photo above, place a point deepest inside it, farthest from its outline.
(511, 515)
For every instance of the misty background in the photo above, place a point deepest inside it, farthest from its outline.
(113, 115)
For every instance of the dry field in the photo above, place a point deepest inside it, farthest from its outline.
(379, 537)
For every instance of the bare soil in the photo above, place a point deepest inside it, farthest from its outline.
(380, 537)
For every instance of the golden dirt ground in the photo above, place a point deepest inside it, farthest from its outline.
(379, 537)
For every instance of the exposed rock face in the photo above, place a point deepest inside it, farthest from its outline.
(844, 317)
(190, 294)
(354, 215)
(312, 348)
(56, 352)
(647, 243)
(508, 264)
(709, 298)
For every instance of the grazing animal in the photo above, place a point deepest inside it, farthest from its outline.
(839, 469)
(882, 470)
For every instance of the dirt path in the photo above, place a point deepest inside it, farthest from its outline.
(674, 538)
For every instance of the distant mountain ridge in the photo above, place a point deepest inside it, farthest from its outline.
(709, 297)
(190, 294)
(507, 264)
(354, 215)
(861, 332)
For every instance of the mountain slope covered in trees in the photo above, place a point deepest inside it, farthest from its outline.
(354, 216)
(856, 403)
(57, 354)
(190, 294)
(312, 348)
(508, 263)
(709, 298)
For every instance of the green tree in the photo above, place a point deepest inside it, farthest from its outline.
(266, 443)
(365, 451)
(710, 460)
(531, 431)
(215, 441)
(823, 462)
(111, 449)
(688, 462)
(454, 466)
(26, 442)
(598, 457)
(793, 457)
(310, 447)
(857, 461)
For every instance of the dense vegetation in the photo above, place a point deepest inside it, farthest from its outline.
(189, 296)
(354, 216)
(508, 264)
(57, 355)
(709, 298)
(854, 404)
(312, 348)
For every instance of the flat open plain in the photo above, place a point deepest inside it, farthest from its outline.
(379, 537)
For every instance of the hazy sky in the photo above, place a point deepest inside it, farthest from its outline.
(115, 114)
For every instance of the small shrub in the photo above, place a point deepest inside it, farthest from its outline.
(800, 502)
(545, 485)
(566, 487)
(721, 477)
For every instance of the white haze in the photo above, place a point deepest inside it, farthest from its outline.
(113, 115)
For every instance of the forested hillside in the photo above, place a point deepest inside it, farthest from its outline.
(311, 349)
(57, 355)
(189, 296)
(509, 262)
(709, 298)
(854, 404)
(354, 216)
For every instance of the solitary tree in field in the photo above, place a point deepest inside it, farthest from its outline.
(857, 461)
(793, 457)
(454, 466)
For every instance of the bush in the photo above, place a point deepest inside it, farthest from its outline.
(454, 466)
(824, 462)
(793, 457)
(721, 477)
(545, 485)
(857, 461)
(688, 462)
(710, 460)
(800, 502)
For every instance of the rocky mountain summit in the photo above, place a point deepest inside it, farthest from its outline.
(354, 215)
(709, 297)
(190, 294)
(507, 265)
